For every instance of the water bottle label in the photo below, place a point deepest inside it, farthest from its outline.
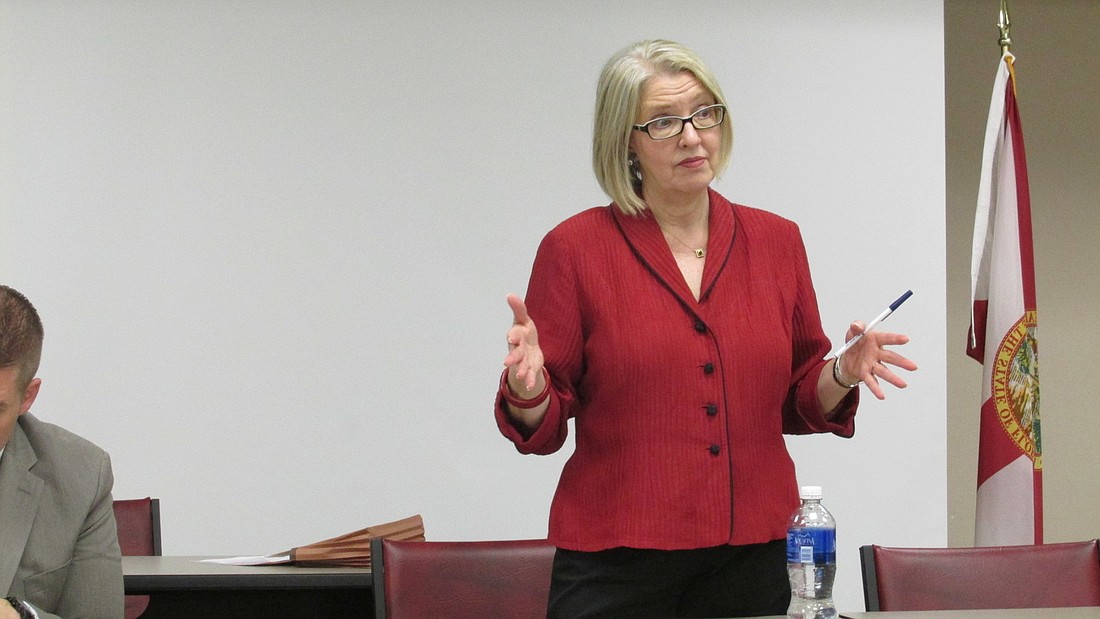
(811, 545)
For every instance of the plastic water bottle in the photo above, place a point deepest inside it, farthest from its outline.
(811, 558)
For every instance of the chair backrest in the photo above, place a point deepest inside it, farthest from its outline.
(138, 523)
(1037, 576)
(508, 578)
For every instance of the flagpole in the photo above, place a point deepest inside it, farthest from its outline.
(1005, 25)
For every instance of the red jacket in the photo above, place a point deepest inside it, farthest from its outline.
(680, 406)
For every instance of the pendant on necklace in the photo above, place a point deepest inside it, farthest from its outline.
(699, 253)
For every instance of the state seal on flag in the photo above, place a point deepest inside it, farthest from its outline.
(1015, 386)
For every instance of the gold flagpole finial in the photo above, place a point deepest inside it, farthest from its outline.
(1005, 25)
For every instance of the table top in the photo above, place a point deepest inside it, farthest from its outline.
(152, 574)
(144, 575)
(1090, 612)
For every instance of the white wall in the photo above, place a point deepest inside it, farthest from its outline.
(271, 240)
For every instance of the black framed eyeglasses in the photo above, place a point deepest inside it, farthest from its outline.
(667, 127)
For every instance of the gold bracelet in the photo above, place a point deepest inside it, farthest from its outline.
(836, 374)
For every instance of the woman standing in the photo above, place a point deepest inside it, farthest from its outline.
(681, 333)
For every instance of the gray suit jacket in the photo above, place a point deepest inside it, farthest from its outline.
(58, 538)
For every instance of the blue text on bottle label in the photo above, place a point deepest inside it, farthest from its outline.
(811, 545)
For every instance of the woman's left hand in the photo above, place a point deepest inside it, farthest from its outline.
(867, 359)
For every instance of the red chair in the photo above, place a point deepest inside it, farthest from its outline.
(138, 523)
(1038, 576)
(413, 580)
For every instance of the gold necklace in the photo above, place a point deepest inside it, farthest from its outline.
(700, 252)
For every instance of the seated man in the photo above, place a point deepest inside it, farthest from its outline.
(59, 553)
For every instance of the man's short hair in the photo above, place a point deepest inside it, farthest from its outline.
(20, 335)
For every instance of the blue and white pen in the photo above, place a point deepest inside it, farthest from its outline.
(873, 323)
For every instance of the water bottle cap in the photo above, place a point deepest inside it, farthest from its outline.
(810, 493)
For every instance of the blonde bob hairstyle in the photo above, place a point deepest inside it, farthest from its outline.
(618, 95)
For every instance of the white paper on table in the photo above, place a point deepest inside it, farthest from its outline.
(251, 560)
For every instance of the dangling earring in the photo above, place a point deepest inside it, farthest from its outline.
(632, 164)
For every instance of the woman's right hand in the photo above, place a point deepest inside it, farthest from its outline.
(524, 359)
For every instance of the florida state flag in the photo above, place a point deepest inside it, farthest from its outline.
(1003, 333)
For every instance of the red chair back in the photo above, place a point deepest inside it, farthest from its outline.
(138, 523)
(1037, 576)
(508, 578)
